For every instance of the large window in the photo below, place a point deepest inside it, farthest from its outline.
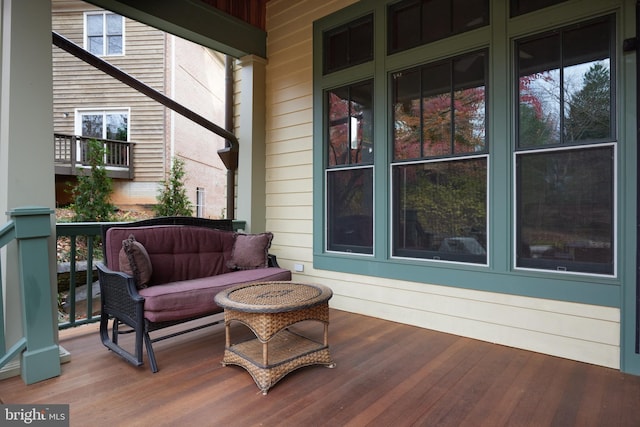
(499, 143)
(439, 182)
(349, 173)
(104, 33)
(565, 157)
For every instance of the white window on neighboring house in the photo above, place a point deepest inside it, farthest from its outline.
(104, 33)
(200, 201)
(103, 124)
(112, 125)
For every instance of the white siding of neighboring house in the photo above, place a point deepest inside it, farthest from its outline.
(575, 331)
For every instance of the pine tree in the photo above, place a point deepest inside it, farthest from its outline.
(92, 192)
(172, 199)
(589, 115)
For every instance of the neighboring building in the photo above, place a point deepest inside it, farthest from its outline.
(88, 102)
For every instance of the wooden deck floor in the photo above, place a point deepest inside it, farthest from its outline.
(387, 374)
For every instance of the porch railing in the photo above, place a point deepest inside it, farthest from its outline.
(70, 155)
(29, 229)
(82, 240)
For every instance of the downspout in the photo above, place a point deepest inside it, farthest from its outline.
(172, 113)
(228, 123)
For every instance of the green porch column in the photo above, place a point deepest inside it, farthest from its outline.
(41, 359)
(26, 137)
(251, 194)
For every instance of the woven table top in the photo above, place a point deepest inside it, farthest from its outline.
(273, 297)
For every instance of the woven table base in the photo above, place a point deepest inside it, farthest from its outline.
(266, 325)
(269, 309)
(287, 352)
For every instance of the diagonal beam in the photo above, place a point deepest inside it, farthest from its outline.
(80, 53)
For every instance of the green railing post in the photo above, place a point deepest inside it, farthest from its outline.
(41, 359)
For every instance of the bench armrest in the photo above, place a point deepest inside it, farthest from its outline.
(272, 261)
(119, 295)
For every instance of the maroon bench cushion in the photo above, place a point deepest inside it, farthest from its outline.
(189, 268)
(176, 252)
(192, 298)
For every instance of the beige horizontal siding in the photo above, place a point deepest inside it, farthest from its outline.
(289, 118)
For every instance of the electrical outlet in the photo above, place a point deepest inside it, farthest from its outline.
(298, 267)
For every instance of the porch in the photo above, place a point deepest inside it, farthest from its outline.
(387, 374)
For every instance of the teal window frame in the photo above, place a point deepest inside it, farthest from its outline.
(499, 275)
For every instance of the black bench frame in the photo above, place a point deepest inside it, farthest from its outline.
(120, 300)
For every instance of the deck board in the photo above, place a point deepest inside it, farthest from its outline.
(387, 374)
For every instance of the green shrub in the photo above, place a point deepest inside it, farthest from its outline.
(172, 199)
(92, 192)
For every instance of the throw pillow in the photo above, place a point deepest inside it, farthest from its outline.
(250, 251)
(134, 260)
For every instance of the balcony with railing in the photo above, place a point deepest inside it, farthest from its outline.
(70, 154)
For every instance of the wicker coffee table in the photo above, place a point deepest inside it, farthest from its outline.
(268, 309)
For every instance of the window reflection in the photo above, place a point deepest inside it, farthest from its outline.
(440, 210)
(565, 182)
(117, 127)
(348, 45)
(112, 126)
(92, 125)
(407, 115)
(564, 86)
(565, 210)
(416, 22)
(350, 210)
(350, 125)
(520, 7)
(439, 110)
(349, 173)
